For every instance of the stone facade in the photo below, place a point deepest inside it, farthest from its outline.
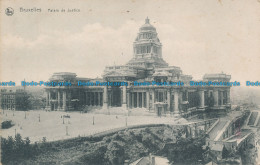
(13, 99)
(147, 65)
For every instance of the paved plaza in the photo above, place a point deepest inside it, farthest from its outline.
(39, 124)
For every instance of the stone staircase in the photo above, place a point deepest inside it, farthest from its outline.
(252, 118)
(217, 129)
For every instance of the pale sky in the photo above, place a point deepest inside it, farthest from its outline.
(202, 36)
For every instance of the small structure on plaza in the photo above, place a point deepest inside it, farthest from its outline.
(146, 66)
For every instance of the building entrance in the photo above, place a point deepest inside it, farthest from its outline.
(52, 106)
(116, 97)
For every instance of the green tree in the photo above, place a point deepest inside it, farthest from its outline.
(27, 147)
(186, 150)
(95, 156)
(115, 152)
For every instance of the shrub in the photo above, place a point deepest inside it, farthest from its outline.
(15, 148)
(115, 152)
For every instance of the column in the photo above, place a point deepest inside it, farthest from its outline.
(143, 99)
(86, 97)
(176, 103)
(110, 98)
(133, 99)
(69, 107)
(202, 99)
(137, 99)
(89, 98)
(59, 100)
(128, 100)
(180, 97)
(147, 100)
(215, 95)
(153, 99)
(64, 101)
(180, 101)
(221, 97)
(49, 98)
(92, 98)
(101, 99)
(169, 100)
(228, 96)
(105, 98)
(95, 98)
(99, 103)
(124, 97)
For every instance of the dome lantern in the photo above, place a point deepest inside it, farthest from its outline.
(147, 21)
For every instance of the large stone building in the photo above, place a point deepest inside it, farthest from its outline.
(147, 65)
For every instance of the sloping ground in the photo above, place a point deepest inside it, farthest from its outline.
(214, 132)
(252, 118)
(131, 144)
(258, 123)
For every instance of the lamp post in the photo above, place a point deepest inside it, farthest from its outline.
(67, 130)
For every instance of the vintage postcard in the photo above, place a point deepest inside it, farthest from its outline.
(130, 82)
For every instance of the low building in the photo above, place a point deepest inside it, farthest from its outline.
(150, 160)
(11, 99)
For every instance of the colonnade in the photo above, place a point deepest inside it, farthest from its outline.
(219, 99)
(60, 99)
(138, 99)
(60, 105)
(94, 98)
(145, 98)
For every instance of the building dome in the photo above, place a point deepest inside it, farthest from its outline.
(147, 26)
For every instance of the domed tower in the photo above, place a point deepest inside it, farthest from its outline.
(147, 48)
